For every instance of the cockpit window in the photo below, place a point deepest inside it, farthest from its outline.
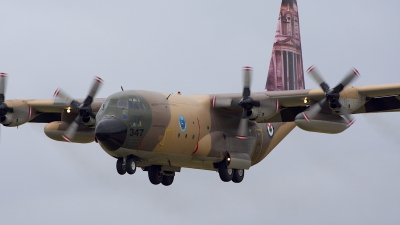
(123, 103)
(113, 103)
(136, 104)
(105, 104)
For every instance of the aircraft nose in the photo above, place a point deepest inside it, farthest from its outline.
(111, 133)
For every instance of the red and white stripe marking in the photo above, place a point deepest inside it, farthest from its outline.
(30, 112)
(356, 72)
(213, 101)
(98, 79)
(277, 106)
(56, 92)
(306, 117)
(241, 137)
(247, 68)
(3, 75)
(310, 69)
(67, 139)
(351, 122)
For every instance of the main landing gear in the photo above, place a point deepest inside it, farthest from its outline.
(156, 175)
(227, 174)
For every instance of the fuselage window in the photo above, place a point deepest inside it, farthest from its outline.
(124, 114)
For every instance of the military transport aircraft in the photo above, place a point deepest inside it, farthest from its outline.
(228, 133)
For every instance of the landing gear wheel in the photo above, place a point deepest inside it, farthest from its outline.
(130, 165)
(238, 175)
(167, 180)
(121, 168)
(155, 175)
(225, 173)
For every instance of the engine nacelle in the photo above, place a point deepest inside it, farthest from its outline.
(265, 111)
(21, 113)
(89, 121)
(322, 123)
(55, 130)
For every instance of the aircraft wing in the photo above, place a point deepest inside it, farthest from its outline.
(46, 110)
(365, 99)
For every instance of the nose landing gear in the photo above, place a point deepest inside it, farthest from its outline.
(155, 173)
(121, 168)
(126, 165)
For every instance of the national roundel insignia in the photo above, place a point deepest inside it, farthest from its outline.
(270, 130)
(182, 123)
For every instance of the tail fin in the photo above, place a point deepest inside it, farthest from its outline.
(286, 65)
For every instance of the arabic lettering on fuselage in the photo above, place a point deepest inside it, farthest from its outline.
(163, 104)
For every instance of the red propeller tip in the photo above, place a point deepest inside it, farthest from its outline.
(247, 68)
(277, 106)
(67, 139)
(306, 117)
(356, 72)
(310, 69)
(98, 79)
(3, 74)
(351, 122)
(57, 92)
(213, 101)
(241, 137)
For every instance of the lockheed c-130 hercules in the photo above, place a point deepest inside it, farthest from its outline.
(162, 133)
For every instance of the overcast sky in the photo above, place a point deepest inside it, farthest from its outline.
(196, 47)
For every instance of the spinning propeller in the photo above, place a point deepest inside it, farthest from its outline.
(332, 95)
(84, 109)
(4, 109)
(247, 103)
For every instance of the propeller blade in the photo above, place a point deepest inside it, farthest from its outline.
(314, 110)
(3, 81)
(350, 120)
(243, 126)
(71, 130)
(61, 94)
(246, 82)
(93, 90)
(314, 72)
(350, 76)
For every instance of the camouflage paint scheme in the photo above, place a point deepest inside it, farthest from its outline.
(175, 131)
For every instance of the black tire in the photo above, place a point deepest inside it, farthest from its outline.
(121, 168)
(130, 165)
(167, 180)
(238, 175)
(224, 173)
(155, 175)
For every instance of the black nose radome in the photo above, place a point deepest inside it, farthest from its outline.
(111, 133)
